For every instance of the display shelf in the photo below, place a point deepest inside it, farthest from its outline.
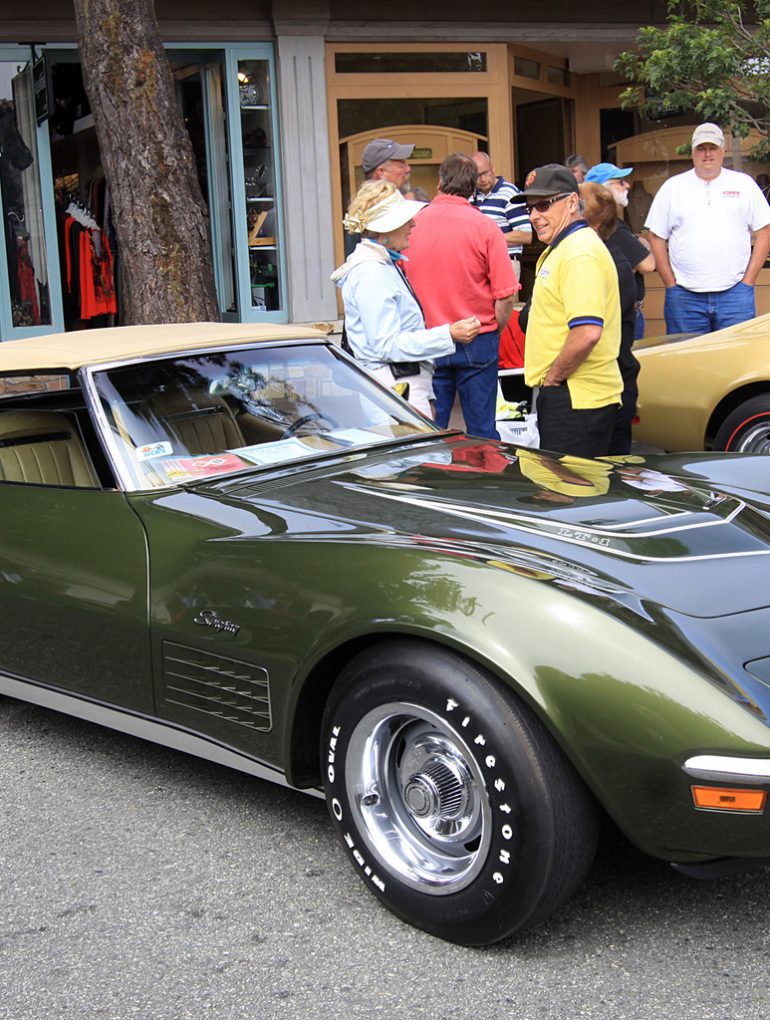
(259, 150)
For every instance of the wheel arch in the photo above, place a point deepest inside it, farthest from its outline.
(306, 713)
(729, 402)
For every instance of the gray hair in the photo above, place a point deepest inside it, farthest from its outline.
(576, 160)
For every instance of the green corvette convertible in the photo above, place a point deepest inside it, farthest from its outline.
(231, 540)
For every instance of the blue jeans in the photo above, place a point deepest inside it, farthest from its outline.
(639, 324)
(472, 372)
(689, 312)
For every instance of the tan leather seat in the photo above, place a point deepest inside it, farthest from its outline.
(199, 422)
(43, 448)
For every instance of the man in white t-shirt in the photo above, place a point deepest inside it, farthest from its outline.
(700, 225)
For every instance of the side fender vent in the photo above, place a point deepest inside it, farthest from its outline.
(235, 691)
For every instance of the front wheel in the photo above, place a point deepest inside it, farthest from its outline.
(747, 428)
(453, 802)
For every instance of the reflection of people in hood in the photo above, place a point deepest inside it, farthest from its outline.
(15, 157)
(568, 477)
(648, 480)
(383, 319)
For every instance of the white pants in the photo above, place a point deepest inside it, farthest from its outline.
(420, 386)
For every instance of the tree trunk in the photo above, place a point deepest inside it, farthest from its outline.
(160, 217)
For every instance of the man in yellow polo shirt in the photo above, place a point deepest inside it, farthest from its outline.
(573, 332)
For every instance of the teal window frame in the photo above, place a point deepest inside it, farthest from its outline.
(234, 54)
(22, 54)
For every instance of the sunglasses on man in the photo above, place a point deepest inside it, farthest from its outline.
(545, 204)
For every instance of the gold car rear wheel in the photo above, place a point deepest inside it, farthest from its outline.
(747, 428)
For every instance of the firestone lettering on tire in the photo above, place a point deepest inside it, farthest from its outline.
(490, 763)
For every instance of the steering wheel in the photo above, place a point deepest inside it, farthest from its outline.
(305, 419)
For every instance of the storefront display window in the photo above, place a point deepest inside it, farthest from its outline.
(60, 261)
(259, 176)
(25, 259)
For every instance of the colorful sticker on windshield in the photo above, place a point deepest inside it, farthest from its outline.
(151, 450)
(178, 468)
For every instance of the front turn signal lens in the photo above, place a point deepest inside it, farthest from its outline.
(718, 798)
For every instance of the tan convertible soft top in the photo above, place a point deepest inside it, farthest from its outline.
(98, 346)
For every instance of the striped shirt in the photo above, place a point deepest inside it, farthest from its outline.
(505, 208)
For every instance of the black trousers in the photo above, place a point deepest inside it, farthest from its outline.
(621, 435)
(579, 433)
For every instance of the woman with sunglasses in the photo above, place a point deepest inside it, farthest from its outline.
(384, 324)
(601, 214)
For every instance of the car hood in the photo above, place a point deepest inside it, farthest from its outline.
(690, 533)
(750, 332)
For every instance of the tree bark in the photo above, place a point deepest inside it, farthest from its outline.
(160, 217)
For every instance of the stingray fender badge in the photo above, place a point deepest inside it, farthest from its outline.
(209, 618)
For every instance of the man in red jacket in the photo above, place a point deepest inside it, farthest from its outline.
(459, 267)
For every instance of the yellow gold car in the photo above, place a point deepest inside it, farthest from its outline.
(709, 392)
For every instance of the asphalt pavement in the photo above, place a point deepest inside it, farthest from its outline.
(138, 883)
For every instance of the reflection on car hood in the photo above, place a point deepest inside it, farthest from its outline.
(693, 540)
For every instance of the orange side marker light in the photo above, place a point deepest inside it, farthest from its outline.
(718, 798)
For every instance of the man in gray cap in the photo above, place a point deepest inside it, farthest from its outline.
(386, 160)
(573, 333)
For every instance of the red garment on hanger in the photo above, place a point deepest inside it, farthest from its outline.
(68, 225)
(97, 287)
(25, 273)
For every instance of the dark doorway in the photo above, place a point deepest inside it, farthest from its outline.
(543, 130)
(616, 125)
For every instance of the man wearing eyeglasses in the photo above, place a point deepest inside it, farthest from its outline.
(573, 333)
(501, 201)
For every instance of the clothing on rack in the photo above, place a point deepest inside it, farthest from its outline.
(89, 267)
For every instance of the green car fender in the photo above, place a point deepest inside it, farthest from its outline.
(621, 726)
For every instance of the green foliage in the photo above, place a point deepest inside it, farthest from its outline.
(712, 57)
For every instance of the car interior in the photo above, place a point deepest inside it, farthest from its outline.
(43, 448)
(46, 434)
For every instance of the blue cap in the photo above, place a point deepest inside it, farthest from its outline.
(603, 172)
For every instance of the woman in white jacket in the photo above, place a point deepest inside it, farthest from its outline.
(383, 319)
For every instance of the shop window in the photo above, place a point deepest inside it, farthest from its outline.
(21, 200)
(410, 63)
(525, 68)
(259, 173)
(87, 265)
(557, 76)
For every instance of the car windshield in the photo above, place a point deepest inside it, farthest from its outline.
(190, 417)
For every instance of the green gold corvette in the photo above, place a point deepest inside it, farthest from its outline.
(231, 540)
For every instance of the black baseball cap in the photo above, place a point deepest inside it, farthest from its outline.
(551, 179)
